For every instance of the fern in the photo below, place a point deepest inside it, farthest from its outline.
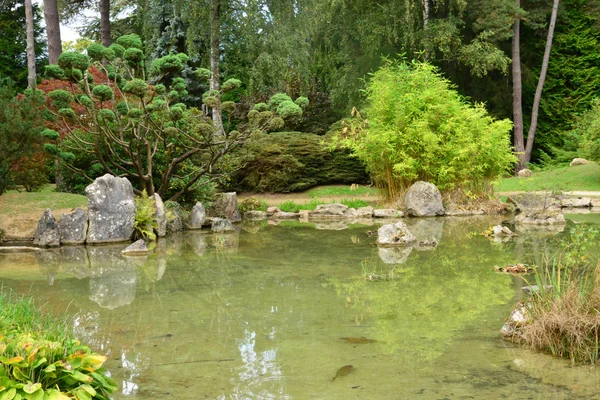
(145, 222)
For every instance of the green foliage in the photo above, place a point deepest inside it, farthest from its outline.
(231, 84)
(20, 127)
(587, 128)
(129, 42)
(39, 359)
(203, 74)
(145, 217)
(103, 92)
(293, 161)
(260, 107)
(72, 60)
(54, 71)
(277, 99)
(302, 102)
(420, 128)
(252, 204)
(137, 87)
(134, 56)
(96, 51)
(61, 98)
(168, 64)
(85, 101)
(289, 109)
(67, 112)
(49, 134)
(117, 49)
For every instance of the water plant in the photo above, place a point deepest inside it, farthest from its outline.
(565, 311)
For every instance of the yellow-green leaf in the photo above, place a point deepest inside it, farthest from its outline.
(31, 387)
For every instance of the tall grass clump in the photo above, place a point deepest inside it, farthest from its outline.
(565, 319)
(39, 358)
(417, 127)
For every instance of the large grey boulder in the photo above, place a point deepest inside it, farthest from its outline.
(47, 233)
(73, 227)
(364, 212)
(197, 216)
(111, 210)
(423, 199)
(285, 215)
(394, 235)
(225, 206)
(221, 225)
(578, 202)
(137, 248)
(335, 210)
(541, 219)
(161, 216)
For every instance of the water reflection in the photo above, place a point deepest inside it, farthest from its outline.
(258, 313)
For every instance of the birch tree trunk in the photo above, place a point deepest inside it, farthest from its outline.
(519, 141)
(31, 75)
(215, 62)
(52, 30)
(540, 85)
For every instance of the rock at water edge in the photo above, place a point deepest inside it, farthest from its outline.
(197, 216)
(111, 210)
(137, 248)
(47, 233)
(423, 199)
(394, 235)
(225, 206)
(160, 215)
(73, 227)
(221, 225)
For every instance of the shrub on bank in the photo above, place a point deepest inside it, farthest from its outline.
(39, 359)
(293, 161)
(416, 127)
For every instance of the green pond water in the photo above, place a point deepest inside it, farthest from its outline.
(260, 313)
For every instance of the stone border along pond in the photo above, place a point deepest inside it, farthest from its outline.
(112, 208)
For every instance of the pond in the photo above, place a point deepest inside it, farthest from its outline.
(272, 312)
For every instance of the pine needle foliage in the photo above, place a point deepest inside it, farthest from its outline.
(418, 127)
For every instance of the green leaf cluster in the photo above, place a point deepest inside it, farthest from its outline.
(419, 128)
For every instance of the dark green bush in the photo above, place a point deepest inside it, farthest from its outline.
(293, 161)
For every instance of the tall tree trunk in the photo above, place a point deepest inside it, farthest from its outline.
(52, 30)
(105, 22)
(540, 85)
(519, 141)
(31, 75)
(215, 62)
(425, 5)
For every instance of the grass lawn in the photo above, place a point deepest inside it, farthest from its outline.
(20, 212)
(582, 177)
(346, 191)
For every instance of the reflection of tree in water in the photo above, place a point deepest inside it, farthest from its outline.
(433, 296)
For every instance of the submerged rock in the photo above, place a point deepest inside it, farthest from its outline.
(73, 227)
(221, 225)
(536, 289)
(423, 199)
(394, 255)
(137, 248)
(225, 206)
(255, 215)
(394, 235)
(113, 278)
(47, 233)
(516, 322)
(111, 208)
